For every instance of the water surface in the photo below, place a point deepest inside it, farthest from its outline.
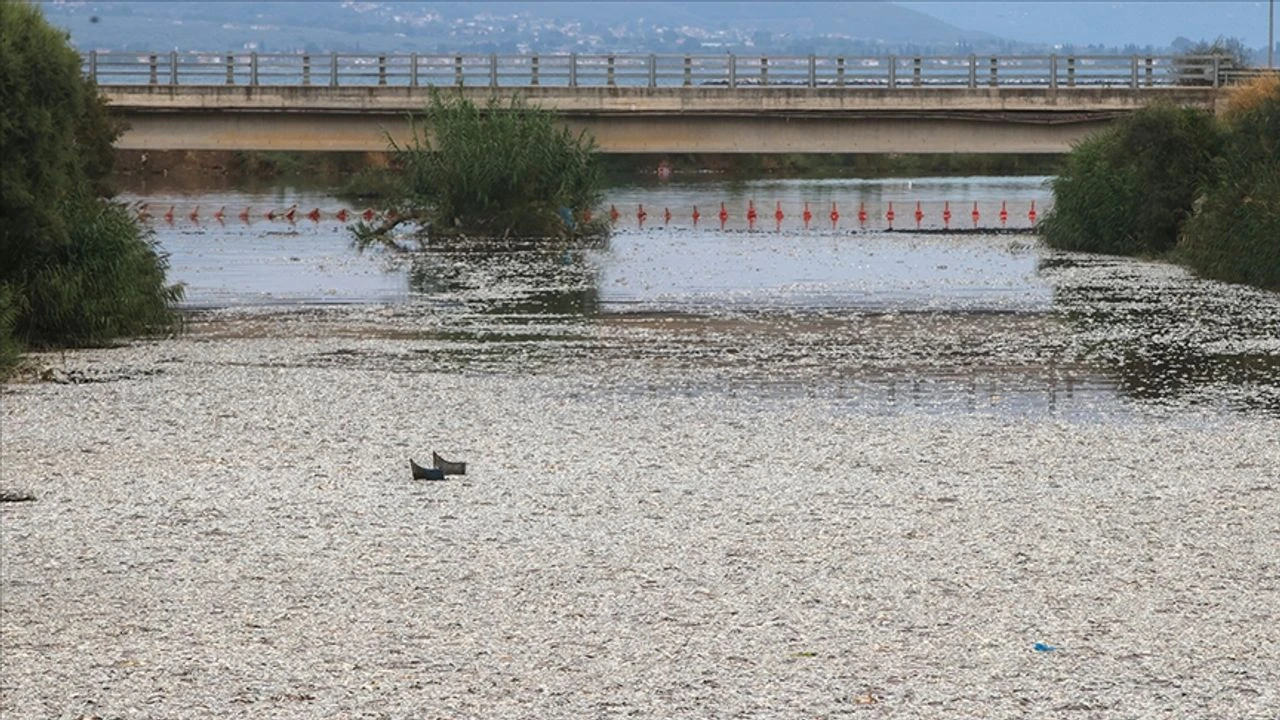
(860, 314)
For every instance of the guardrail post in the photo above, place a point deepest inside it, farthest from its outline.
(653, 70)
(1217, 69)
(893, 72)
(573, 69)
(1053, 72)
(333, 69)
(688, 71)
(973, 72)
(152, 60)
(457, 71)
(733, 71)
(382, 69)
(609, 73)
(764, 70)
(231, 69)
(840, 72)
(253, 69)
(915, 71)
(306, 69)
(493, 70)
(995, 79)
(1149, 69)
(1071, 71)
(533, 70)
(93, 65)
(813, 71)
(1133, 72)
(173, 67)
(413, 69)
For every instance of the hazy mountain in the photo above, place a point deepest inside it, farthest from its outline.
(866, 27)
(1113, 24)
(509, 26)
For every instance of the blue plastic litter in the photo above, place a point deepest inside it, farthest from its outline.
(1041, 647)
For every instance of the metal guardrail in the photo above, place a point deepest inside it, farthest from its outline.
(655, 70)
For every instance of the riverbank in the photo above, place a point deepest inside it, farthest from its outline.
(212, 535)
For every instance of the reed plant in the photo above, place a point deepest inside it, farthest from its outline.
(1129, 189)
(502, 170)
(1235, 234)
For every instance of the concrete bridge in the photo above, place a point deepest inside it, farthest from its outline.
(651, 104)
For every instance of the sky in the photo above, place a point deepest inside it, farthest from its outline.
(1148, 22)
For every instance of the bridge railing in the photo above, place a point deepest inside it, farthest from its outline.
(656, 70)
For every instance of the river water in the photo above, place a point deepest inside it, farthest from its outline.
(963, 314)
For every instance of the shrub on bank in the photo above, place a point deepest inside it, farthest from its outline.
(1129, 189)
(74, 268)
(1235, 233)
(498, 171)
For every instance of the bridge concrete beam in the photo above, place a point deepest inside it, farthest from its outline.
(649, 120)
(675, 134)
(663, 100)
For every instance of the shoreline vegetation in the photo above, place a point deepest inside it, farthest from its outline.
(367, 175)
(76, 268)
(1181, 185)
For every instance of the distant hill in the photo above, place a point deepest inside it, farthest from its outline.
(868, 27)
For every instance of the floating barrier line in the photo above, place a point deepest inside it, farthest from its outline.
(293, 215)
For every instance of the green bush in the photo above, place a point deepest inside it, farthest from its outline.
(107, 281)
(75, 269)
(1235, 234)
(1129, 189)
(498, 171)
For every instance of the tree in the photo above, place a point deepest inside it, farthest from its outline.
(75, 269)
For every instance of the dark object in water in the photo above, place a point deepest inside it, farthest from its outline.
(448, 468)
(421, 473)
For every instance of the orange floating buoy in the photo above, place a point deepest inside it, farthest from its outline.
(221, 213)
(244, 215)
(751, 214)
(919, 214)
(1031, 215)
(194, 215)
(1004, 213)
(641, 215)
(614, 214)
(975, 215)
(168, 215)
(777, 212)
(835, 215)
(368, 215)
(890, 215)
(696, 215)
(724, 216)
(290, 213)
(806, 215)
(314, 215)
(666, 215)
(341, 215)
(946, 213)
(862, 214)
